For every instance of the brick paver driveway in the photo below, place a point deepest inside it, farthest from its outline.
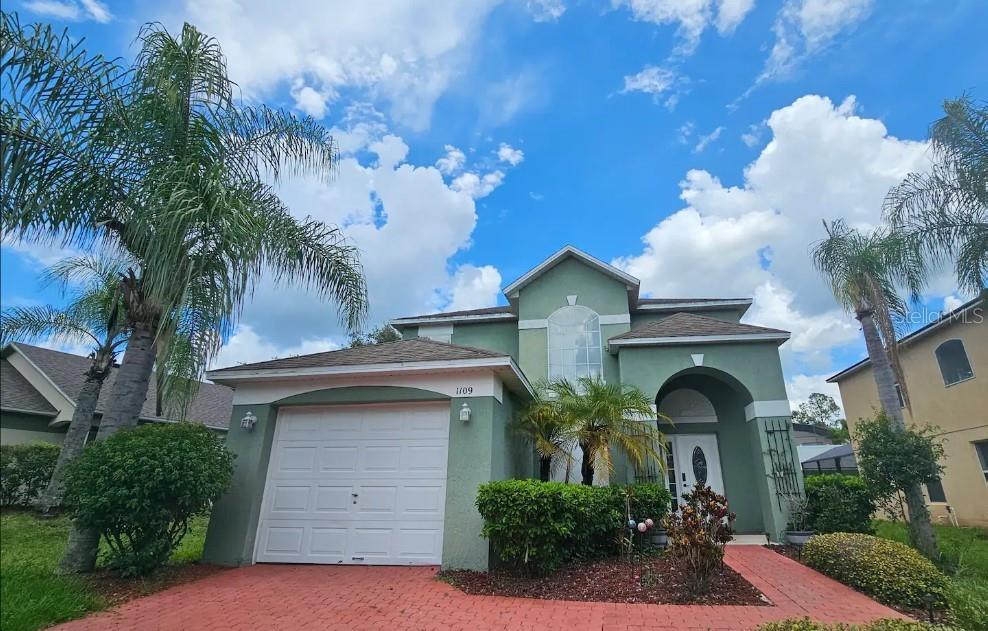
(296, 597)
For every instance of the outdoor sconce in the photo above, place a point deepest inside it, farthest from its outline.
(248, 421)
(465, 413)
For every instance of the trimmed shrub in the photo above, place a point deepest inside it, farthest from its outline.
(839, 503)
(885, 624)
(888, 570)
(649, 501)
(25, 471)
(541, 525)
(141, 486)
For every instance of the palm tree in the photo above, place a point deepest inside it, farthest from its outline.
(543, 423)
(603, 415)
(93, 316)
(864, 271)
(947, 207)
(161, 161)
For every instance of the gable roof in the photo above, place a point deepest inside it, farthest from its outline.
(18, 395)
(402, 351)
(688, 328)
(67, 372)
(629, 281)
(918, 334)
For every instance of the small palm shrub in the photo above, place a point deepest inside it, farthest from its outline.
(888, 570)
(140, 487)
(25, 471)
(698, 532)
(537, 526)
(885, 624)
(838, 503)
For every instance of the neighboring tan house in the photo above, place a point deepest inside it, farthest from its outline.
(946, 368)
(38, 387)
(374, 455)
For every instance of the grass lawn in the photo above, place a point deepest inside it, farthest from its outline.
(34, 597)
(965, 554)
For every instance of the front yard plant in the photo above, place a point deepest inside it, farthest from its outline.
(698, 532)
(25, 471)
(890, 571)
(141, 487)
(838, 503)
(538, 526)
(885, 624)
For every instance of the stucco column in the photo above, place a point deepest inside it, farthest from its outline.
(233, 525)
(770, 434)
(468, 466)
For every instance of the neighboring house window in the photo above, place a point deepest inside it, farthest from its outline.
(982, 449)
(935, 492)
(574, 343)
(898, 393)
(954, 365)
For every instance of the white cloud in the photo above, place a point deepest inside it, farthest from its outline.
(309, 100)
(452, 162)
(706, 139)
(503, 100)
(246, 346)
(477, 185)
(800, 387)
(691, 17)
(753, 239)
(754, 135)
(545, 10)
(71, 10)
(507, 153)
(404, 55)
(805, 27)
(657, 82)
(474, 287)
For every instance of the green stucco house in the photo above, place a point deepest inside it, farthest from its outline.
(373, 455)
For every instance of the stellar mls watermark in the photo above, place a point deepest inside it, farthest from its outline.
(922, 316)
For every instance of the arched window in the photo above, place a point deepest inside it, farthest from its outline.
(685, 405)
(574, 343)
(954, 365)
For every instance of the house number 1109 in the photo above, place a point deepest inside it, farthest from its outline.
(464, 389)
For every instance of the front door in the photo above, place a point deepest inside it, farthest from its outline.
(697, 461)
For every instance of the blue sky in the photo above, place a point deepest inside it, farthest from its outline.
(694, 143)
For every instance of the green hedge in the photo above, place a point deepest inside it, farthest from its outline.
(888, 570)
(25, 471)
(838, 503)
(885, 624)
(541, 525)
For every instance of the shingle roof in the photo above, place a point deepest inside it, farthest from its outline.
(456, 314)
(17, 393)
(211, 407)
(691, 324)
(663, 301)
(413, 350)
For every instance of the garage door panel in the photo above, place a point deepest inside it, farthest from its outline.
(356, 484)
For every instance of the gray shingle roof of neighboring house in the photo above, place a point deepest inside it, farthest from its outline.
(211, 407)
(691, 324)
(17, 393)
(459, 314)
(413, 350)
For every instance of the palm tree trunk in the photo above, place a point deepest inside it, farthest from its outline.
(545, 468)
(921, 532)
(129, 392)
(131, 387)
(586, 466)
(79, 426)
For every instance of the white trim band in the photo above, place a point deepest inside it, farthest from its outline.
(620, 318)
(439, 319)
(700, 339)
(761, 409)
(524, 325)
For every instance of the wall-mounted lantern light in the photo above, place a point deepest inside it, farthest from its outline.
(465, 413)
(248, 421)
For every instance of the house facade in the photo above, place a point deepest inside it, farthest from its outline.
(374, 454)
(945, 364)
(39, 386)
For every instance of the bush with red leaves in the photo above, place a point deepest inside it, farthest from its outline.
(697, 534)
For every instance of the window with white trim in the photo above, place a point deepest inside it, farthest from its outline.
(574, 343)
(982, 451)
(954, 364)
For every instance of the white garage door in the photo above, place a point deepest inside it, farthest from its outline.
(356, 484)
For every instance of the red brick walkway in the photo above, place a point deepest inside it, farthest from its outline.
(298, 597)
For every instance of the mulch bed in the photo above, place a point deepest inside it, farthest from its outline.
(118, 590)
(610, 580)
